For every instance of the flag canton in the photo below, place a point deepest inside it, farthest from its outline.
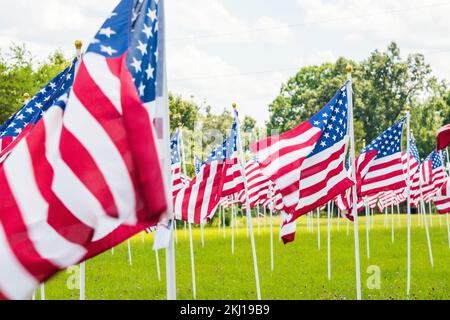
(133, 28)
(112, 38)
(33, 111)
(389, 142)
(332, 120)
(175, 148)
(414, 151)
(436, 160)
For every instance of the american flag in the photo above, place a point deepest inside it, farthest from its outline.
(443, 137)
(389, 198)
(307, 162)
(88, 176)
(415, 172)
(233, 180)
(178, 181)
(442, 198)
(20, 124)
(436, 176)
(385, 171)
(258, 185)
(198, 202)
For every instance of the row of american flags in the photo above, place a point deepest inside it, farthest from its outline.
(85, 163)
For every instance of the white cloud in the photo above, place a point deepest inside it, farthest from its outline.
(315, 59)
(209, 21)
(414, 22)
(364, 25)
(274, 31)
(53, 24)
(210, 78)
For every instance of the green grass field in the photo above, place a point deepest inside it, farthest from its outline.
(300, 268)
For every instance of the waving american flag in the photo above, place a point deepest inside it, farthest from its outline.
(385, 167)
(434, 175)
(198, 202)
(20, 124)
(307, 163)
(88, 176)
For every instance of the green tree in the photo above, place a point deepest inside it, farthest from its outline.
(383, 85)
(388, 84)
(19, 74)
(182, 112)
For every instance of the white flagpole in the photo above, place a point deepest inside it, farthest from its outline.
(329, 240)
(318, 228)
(158, 269)
(219, 222)
(202, 234)
(236, 221)
(271, 237)
(224, 223)
(431, 214)
(259, 220)
(191, 241)
(430, 252)
(232, 229)
(265, 220)
(249, 215)
(385, 218)
(348, 227)
(398, 214)
(175, 231)
(185, 230)
(393, 223)
(78, 47)
(83, 281)
(355, 199)
(339, 220)
(42, 287)
(171, 286)
(408, 203)
(446, 215)
(367, 227)
(448, 229)
(130, 260)
(367, 209)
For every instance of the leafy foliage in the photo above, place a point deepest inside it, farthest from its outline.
(383, 84)
(19, 75)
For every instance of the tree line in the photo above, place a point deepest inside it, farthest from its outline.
(384, 84)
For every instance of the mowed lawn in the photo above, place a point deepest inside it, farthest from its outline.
(300, 268)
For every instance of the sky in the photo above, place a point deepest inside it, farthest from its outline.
(225, 51)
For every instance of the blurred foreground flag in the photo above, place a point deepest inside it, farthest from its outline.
(442, 199)
(89, 174)
(434, 175)
(443, 137)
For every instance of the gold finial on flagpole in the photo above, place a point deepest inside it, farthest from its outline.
(78, 44)
(26, 97)
(234, 106)
(180, 125)
(349, 69)
(364, 143)
(408, 108)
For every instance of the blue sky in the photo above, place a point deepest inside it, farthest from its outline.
(224, 51)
